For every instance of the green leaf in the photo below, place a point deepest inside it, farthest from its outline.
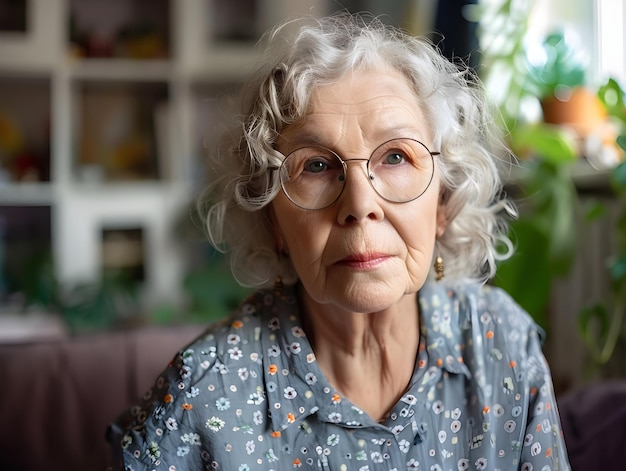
(526, 276)
(561, 67)
(593, 323)
(618, 269)
(621, 141)
(545, 142)
(618, 177)
(595, 210)
(164, 314)
(554, 201)
(612, 97)
(212, 291)
(621, 228)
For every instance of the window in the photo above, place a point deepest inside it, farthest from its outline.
(611, 39)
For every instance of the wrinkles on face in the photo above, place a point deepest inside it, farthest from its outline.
(362, 252)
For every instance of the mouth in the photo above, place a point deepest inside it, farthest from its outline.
(364, 261)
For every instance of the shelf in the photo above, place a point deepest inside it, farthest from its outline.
(152, 70)
(26, 194)
(39, 46)
(590, 180)
(115, 99)
(586, 178)
(128, 190)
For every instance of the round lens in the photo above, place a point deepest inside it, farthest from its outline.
(401, 170)
(312, 177)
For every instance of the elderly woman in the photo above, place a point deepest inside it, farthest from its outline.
(361, 161)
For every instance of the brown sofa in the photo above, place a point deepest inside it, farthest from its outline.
(58, 396)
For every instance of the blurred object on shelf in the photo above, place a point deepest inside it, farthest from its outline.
(118, 132)
(11, 139)
(11, 143)
(13, 16)
(24, 130)
(601, 149)
(123, 252)
(141, 42)
(25, 168)
(127, 29)
(235, 20)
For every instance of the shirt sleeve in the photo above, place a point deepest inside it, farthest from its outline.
(142, 438)
(181, 422)
(544, 445)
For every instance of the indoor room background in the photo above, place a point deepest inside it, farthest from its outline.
(106, 107)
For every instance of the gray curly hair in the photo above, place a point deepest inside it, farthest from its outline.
(298, 58)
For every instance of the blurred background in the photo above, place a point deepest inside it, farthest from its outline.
(105, 113)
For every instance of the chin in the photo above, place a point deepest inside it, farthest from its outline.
(369, 299)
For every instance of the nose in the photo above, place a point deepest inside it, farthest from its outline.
(358, 200)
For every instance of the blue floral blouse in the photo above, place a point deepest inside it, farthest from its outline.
(249, 394)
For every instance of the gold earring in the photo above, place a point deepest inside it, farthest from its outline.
(278, 287)
(439, 268)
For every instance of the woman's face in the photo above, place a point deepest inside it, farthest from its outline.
(361, 253)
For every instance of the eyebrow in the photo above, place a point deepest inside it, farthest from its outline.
(304, 139)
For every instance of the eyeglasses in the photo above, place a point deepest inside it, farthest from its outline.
(399, 170)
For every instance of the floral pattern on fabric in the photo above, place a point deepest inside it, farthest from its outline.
(249, 394)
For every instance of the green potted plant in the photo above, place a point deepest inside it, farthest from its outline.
(558, 80)
(543, 234)
(548, 148)
(603, 323)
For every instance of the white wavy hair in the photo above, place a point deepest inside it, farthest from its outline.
(298, 57)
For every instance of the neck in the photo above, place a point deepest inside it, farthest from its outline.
(368, 358)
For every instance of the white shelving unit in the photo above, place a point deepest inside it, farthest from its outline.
(82, 203)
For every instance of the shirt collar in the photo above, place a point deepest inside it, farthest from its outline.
(296, 386)
(443, 318)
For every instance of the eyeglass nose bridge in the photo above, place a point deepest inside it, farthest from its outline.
(344, 163)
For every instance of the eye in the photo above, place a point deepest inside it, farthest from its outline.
(394, 158)
(311, 161)
(315, 166)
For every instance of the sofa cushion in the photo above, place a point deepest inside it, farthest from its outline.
(594, 426)
(59, 396)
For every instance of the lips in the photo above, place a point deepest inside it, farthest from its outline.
(364, 261)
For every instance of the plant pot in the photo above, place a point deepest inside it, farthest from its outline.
(581, 110)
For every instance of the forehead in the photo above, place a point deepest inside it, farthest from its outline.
(374, 104)
(358, 86)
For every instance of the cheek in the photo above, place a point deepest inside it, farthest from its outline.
(303, 233)
(418, 230)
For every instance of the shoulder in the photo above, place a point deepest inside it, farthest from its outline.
(229, 349)
(484, 319)
(233, 339)
(499, 332)
(210, 382)
(491, 306)
(227, 353)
